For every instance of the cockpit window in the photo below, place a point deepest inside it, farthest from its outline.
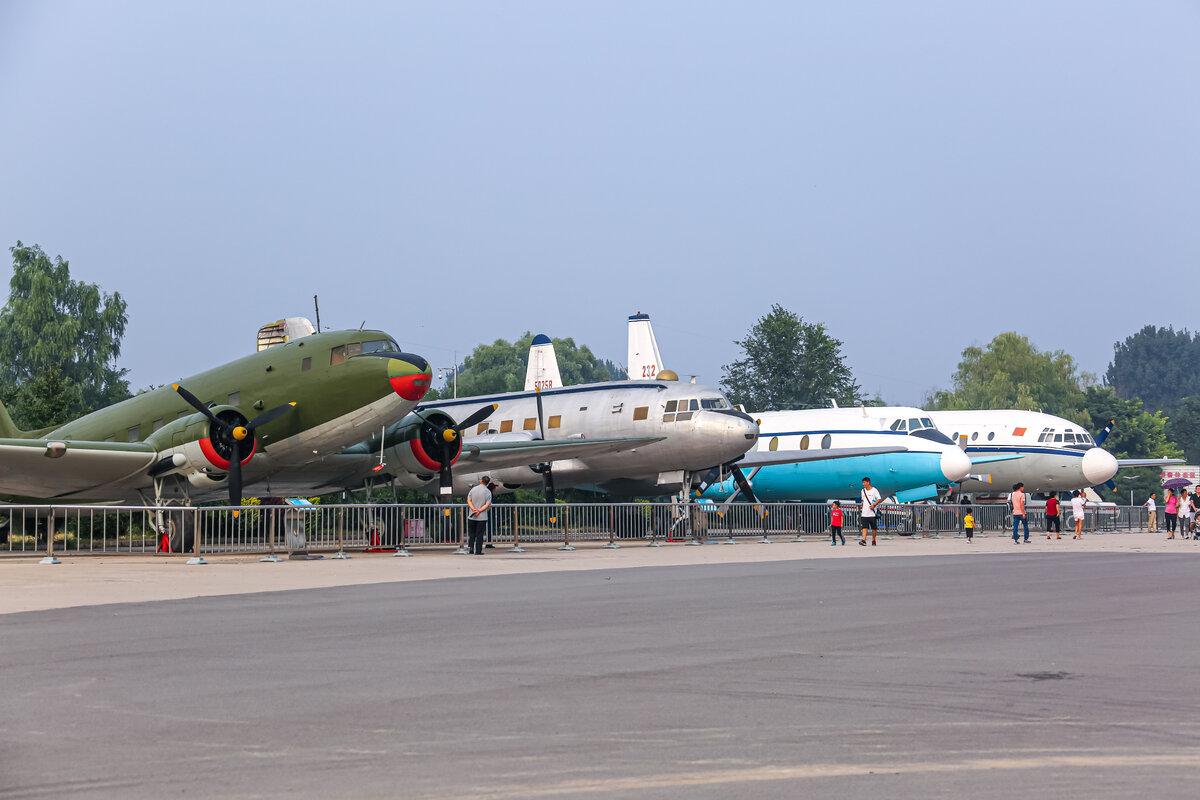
(354, 349)
(719, 403)
(377, 346)
(927, 422)
(695, 404)
(914, 424)
(895, 426)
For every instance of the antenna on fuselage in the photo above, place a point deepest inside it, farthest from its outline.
(832, 403)
(317, 308)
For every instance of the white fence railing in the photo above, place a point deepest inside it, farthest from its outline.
(46, 530)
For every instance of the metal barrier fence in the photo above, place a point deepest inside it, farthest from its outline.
(38, 530)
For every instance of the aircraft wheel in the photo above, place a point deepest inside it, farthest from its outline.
(180, 531)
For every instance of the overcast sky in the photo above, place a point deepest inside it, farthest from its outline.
(917, 176)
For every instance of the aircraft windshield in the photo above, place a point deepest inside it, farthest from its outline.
(714, 402)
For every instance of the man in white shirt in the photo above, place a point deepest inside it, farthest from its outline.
(1151, 514)
(870, 499)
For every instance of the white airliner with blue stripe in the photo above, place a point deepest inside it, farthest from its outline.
(1057, 455)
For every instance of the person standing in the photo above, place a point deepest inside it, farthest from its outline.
(969, 526)
(479, 500)
(835, 524)
(1151, 513)
(1171, 512)
(1052, 518)
(1078, 506)
(1193, 513)
(870, 499)
(1017, 500)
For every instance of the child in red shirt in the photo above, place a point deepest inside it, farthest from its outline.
(835, 524)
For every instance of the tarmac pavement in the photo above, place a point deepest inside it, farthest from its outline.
(849, 672)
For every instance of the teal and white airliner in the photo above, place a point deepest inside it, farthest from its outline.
(929, 464)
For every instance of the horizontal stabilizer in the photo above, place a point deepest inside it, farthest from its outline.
(766, 458)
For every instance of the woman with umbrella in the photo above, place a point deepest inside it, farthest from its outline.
(1176, 507)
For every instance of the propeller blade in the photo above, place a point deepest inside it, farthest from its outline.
(548, 486)
(195, 403)
(541, 425)
(1110, 483)
(479, 416)
(235, 476)
(1102, 435)
(446, 479)
(743, 484)
(269, 416)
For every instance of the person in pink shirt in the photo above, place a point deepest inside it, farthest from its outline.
(1017, 499)
(1171, 512)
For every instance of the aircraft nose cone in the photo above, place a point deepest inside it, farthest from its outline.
(1098, 466)
(409, 376)
(956, 464)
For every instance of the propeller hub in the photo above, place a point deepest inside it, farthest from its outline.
(449, 435)
(240, 433)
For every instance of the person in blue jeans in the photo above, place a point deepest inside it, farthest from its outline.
(1017, 501)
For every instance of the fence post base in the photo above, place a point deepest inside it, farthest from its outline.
(340, 555)
(654, 543)
(50, 560)
(611, 546)
(401, 552)
(195, 560)
(765, 539)
(693, 542)
(462, 551)
(274, 559)
(516, 548)
(566, 547)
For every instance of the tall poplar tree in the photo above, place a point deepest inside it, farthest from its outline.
(59, 341)
(789, 363)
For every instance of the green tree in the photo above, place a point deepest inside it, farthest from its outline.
(1183, 427)
(501, 365)
(789, 363)
(1136, 433)
(1159, 365)
(59, 340)
(1011, 373)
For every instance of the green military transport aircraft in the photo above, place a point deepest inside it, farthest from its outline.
(206, 436)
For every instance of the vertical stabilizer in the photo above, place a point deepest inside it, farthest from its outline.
(644, 360)
(542, 372)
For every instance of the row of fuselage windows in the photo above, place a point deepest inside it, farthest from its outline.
(134, 434)
(676, 411)
(805, 442)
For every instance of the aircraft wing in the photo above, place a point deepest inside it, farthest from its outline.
(994, 459)
(496, 455)
(1148, 462)
(766, 458)
(42, 467)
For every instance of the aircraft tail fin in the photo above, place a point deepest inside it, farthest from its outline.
(542, 372)
(8, 429)
(644, 360)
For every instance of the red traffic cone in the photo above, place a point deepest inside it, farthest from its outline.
(164, 544)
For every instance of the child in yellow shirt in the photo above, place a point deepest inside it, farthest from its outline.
(969, 526)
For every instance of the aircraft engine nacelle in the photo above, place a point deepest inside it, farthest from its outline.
(192, 447)
(417, 446)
